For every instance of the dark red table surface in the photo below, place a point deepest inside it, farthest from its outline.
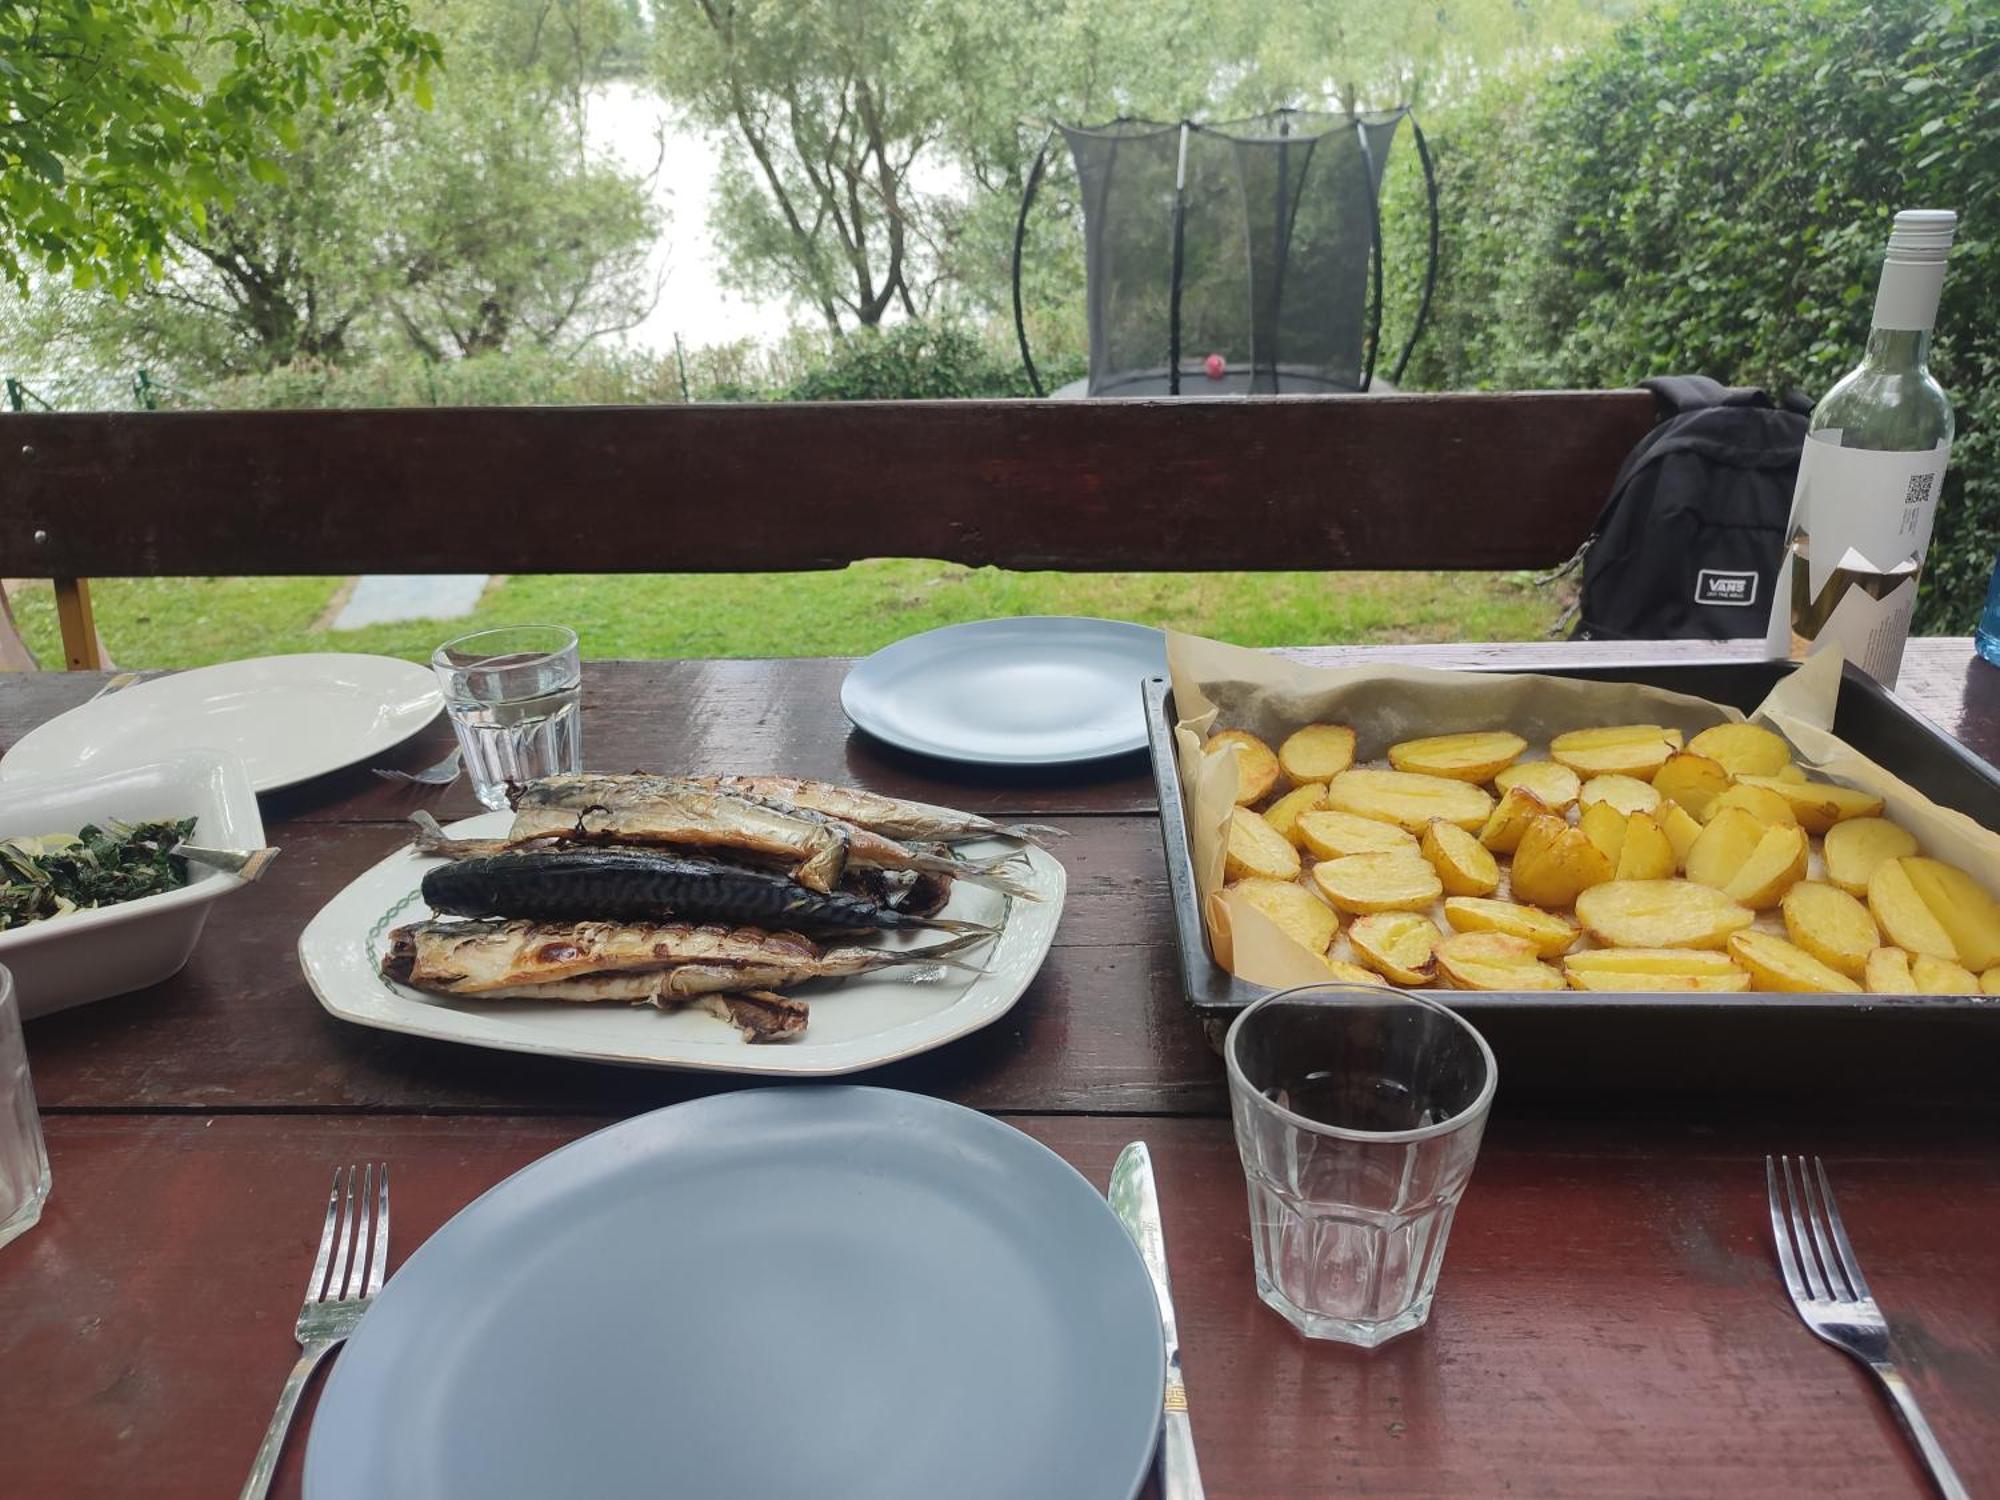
(1610, 1320)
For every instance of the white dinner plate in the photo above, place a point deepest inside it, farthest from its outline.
(288, 718)
(855, 1023)
(1036, 691)
(778, 1294)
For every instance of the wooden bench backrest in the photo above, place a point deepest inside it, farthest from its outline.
(1458, 481)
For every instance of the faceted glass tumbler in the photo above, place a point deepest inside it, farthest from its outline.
(515, 699)
(24, 1161)
(1358, 1115)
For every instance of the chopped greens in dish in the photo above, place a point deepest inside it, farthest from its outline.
(52, 874)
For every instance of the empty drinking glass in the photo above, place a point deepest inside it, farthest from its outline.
(24, 1161)
(512, 695)
(1358, 1114)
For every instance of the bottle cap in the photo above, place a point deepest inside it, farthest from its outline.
(1922, 236)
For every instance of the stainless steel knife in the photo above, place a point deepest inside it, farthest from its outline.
(1137, 1203)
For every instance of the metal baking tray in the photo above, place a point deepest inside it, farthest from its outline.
(1727, 1040)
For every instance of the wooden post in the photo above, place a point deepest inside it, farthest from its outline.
(81, 652)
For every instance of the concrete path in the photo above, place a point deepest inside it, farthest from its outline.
(387, 598)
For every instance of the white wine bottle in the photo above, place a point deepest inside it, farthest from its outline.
(1870, 474)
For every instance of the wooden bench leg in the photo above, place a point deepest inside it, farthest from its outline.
(82, 652)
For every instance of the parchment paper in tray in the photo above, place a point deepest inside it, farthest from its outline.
(1223, 686)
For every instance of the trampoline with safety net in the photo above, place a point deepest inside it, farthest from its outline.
(1235, 258)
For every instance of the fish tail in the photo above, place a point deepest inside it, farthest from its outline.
(1033, 833)
(995, 880)
(953, 924)
(433, 840)
(988, 872)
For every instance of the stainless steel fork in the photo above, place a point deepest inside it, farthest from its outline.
(1832, 1296)
(352, 1263)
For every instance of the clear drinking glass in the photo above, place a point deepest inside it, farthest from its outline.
(512, 696)
(1358, 1115)
(24, 1161)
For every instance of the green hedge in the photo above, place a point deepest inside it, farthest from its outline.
(1709, 190)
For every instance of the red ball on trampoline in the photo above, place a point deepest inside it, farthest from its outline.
(1216, 366)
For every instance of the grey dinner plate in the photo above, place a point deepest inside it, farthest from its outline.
(1042, 690)
(824, 1292)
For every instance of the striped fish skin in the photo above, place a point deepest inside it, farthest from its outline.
(648, 885)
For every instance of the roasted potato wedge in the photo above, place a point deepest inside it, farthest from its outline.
(1347, 973)
(1989, 982)
(1775, 964)
(1647, 853)
(1940, 976)
(1283, 815)
(1832, 926)
(1743, 749)
(1398, 945)
(1555, 863)
(1904, 916)
(1604, 826)
(1963, 908)
(1318, 752)
(1681, 827)
(1517, 809)
(1622, 750)
(1626, 793)
(1256, 765)
(1763, 804)
(1474, 757)
(1366, 883)
(1818, 805)
(1776, 865)
(1692, 780)
(1556, 785)
(1888, 973)
(1302, 916)
(1694, 969)
(1855, 846)
(1660, 914)
(1254, 849)
(1407, 799)
(1493, 961)
(1724, 847)
(1551, 932)
(1326, 834)
(1465, 866)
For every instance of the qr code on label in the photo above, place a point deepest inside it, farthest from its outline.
(1920, 489)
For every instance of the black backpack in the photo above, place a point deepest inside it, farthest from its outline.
(1687, 546)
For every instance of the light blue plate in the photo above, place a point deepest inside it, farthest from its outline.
(1036, 691)
(824, 1292)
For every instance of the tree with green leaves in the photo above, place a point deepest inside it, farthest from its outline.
(478, 223)
(123, 121)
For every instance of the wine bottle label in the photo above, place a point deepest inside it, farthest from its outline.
(1865, 510)
(1856, 511)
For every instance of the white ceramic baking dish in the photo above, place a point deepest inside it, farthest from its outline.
(88, 955)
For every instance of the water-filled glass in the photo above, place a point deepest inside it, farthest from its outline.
(24, 1160)
(1358, 1115)
(513, 696)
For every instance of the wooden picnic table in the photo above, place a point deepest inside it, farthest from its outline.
(1610, 1320)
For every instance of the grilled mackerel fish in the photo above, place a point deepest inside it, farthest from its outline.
(589, 809)
(661, 962)
(652, 885)
(892, 817)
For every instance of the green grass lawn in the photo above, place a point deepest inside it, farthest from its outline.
(184, 622)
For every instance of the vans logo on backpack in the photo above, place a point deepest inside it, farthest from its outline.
(1715, 586)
